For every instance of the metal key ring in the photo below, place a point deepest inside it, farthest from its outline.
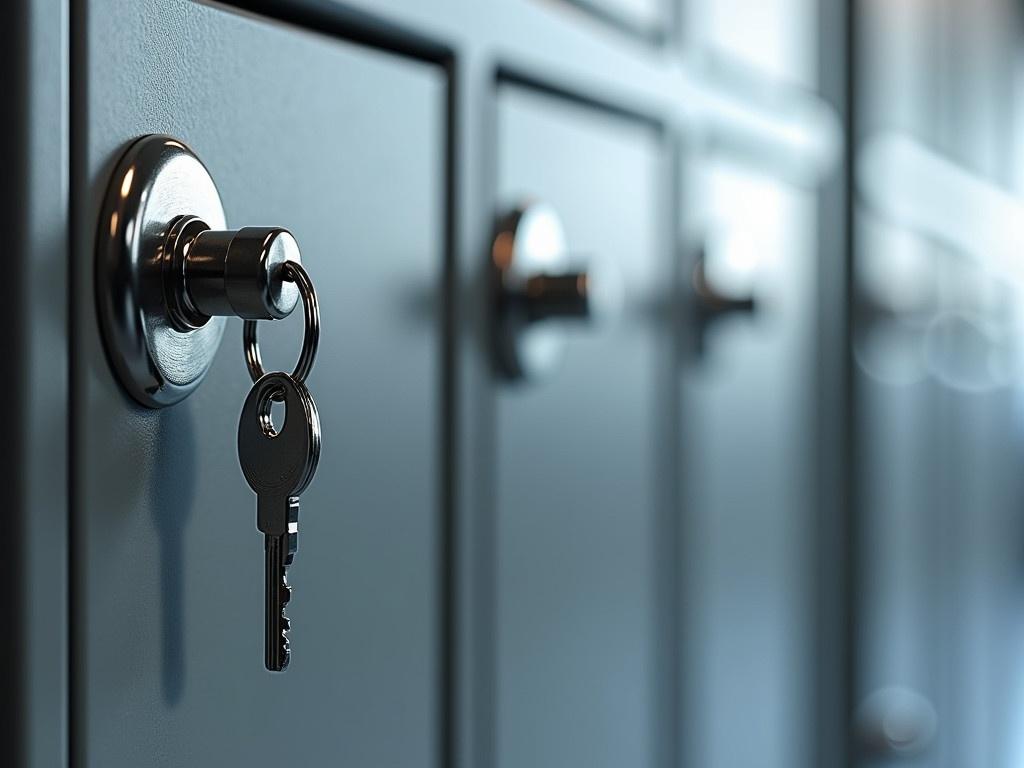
(293, 272)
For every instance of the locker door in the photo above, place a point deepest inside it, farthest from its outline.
(747, 475)
(579, 579)
(750, 404)
(342, 145)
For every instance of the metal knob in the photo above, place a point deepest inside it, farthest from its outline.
(168, 271)
(537, 290)
(709, 305)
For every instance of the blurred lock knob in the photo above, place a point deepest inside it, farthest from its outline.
(709, 305)
(537, 290)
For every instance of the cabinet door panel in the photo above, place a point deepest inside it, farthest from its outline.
(747, 468)
(577, 584)
(343, 145)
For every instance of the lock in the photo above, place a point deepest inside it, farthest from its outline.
(168, 271)
(229, 273)
(708, 306)
(537, 291)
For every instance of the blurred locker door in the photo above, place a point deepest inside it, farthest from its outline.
(939, 629)
(580, 485)
(748, 392)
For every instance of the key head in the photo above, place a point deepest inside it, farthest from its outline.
(278, 462)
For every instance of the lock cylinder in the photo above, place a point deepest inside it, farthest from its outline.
(229, 273)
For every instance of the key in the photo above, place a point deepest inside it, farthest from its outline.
(278, 463)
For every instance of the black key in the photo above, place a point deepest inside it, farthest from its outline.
(278, 463)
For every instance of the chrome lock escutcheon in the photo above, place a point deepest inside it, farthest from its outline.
(169, 271)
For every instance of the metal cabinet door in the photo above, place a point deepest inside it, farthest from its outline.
(579, 577)
(748, 395)
(343, 145)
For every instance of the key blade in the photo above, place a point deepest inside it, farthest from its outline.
(277, 652)
(293, 529)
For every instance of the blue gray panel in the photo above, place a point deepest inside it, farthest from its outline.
(748, 423)
(342, 145)
(577, 567)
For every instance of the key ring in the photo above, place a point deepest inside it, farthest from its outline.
(293, 272)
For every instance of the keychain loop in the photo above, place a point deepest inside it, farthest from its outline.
(293, 272)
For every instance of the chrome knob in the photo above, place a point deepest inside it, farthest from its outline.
(229, 273)
(711, 302)
(537, 291)
(168, 271)
(709, 305)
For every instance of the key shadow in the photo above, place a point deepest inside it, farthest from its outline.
(173, 496)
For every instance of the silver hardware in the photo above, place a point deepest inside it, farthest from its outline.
(168, 271)
(157, 180)
(536, 289)
(294, 273)
(233, 273)
(708, 305)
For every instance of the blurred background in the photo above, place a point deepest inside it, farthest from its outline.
(899, 581)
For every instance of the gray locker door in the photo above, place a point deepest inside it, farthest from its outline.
(748, 478)
(344, 146)
(577, 458)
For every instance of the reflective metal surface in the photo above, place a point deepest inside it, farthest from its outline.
(168, 272)
(536, 290)
(294, 275)
(158, 180)
(709, 305)
(240, 273)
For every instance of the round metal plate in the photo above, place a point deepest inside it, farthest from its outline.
(529, 241)
(156, 181)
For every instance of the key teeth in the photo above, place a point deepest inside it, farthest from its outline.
(286, 644)
(286, 624)
(278, 557)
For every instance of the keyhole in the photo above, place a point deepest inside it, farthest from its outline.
(273, 412)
